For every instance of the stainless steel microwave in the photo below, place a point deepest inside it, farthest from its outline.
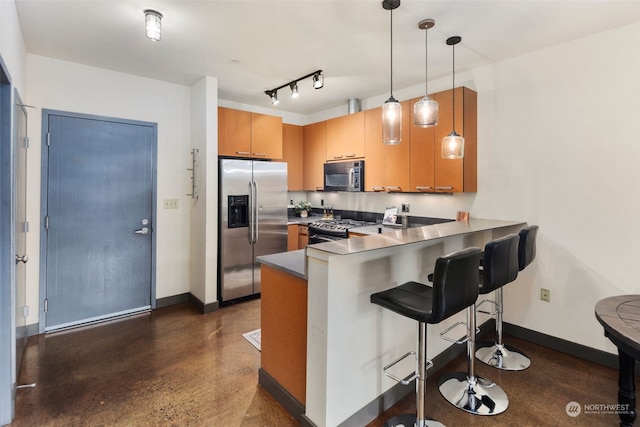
(344, 176)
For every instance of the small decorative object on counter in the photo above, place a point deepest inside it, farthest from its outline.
(303, 208)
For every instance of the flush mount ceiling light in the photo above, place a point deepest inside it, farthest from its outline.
(453, 144)
(391, 110)
(153, 24)
(425, 111)
(318, 83)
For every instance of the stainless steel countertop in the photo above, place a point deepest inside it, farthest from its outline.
(392, 237)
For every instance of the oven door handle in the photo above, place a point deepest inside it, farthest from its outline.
(321, 238)
(352, 179)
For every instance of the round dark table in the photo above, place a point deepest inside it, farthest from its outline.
(620, 317)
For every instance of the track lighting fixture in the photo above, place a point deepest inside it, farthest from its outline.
(318, 83)
(153, 24)
(294, 89)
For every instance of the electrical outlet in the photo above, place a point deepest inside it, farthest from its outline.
(545, 294)
(405, 207)
(321, 202)
(171, 203)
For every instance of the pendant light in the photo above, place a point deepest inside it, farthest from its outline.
(391, 110)
(425, 111)
(453, 144)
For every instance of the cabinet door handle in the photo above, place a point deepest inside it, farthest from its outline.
(319, 188)
(350, 155)
(444, 188)
(393, 188)
(243, 152)
(339, 156)
(427, 188)
(377, 188)
(260, 154)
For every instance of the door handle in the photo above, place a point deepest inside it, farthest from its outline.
(143, 230)
(24, 258)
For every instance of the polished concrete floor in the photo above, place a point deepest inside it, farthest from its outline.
(176, 367)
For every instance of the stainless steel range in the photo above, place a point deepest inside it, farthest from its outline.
(331, 230)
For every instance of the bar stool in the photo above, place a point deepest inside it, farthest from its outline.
(455, 288)
(498, 354)
(467, 391)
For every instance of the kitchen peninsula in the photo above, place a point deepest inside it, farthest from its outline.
(348, 339)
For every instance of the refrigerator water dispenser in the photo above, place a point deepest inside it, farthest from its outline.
(238, 211)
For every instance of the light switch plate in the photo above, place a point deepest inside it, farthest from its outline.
(171, 203)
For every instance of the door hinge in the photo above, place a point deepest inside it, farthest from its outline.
(46, 222)
(26, 142)
(26, 226)
(46, 305)
(48, 139)
(25, 311)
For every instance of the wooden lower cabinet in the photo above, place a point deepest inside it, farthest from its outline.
(292, 237)
(303, 236)
(283, 321)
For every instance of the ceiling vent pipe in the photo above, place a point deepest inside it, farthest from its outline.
(354, 105)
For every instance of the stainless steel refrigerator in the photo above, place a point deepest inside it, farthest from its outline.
(252, 221)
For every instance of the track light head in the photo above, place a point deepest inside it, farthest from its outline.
(318, 80)
(273, 95)
(294, 89)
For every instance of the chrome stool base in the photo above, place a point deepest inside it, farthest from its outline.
(502, 357)
(409, 420)
(475, 395)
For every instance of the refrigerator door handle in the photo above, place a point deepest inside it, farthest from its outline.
(250, 214)
(255, 212)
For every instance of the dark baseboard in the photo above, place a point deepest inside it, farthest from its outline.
(288, 402)
(202, 307)
(33, 329)
(578, 350)
(172, 300)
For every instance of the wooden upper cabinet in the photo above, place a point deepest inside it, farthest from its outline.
(459, 175)
(266, 136)
(422, 156)
(398, 156)
(234, 132)
(314, 153)
(345, 137)
(245, 134)
(292, 154)
(375, 178)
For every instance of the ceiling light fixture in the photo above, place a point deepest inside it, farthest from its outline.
(318, 82)
(453, 144)
(425, 111)
(294, 90)
(153, 24)
(391, 110)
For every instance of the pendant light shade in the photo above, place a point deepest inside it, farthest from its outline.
(425, 111)
(391, 110)
(453, 144)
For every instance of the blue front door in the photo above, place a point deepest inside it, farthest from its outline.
(99, 216)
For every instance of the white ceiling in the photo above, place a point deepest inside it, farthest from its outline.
(252, 46)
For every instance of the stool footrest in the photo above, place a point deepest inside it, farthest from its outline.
(409, 378)
(491, 313)
(453, 340)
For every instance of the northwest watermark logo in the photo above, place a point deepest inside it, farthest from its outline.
(573, 409)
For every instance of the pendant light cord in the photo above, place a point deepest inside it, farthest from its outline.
(453, 91)
(426, 62)
(391, 15)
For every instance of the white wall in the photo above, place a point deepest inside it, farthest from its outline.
(12, 45)
(558, 146)
(66, 86)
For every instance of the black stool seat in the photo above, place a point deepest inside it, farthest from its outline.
(411, 299)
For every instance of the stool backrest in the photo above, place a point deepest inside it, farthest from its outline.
(500, 263)
(455, 283)
(527, 247)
